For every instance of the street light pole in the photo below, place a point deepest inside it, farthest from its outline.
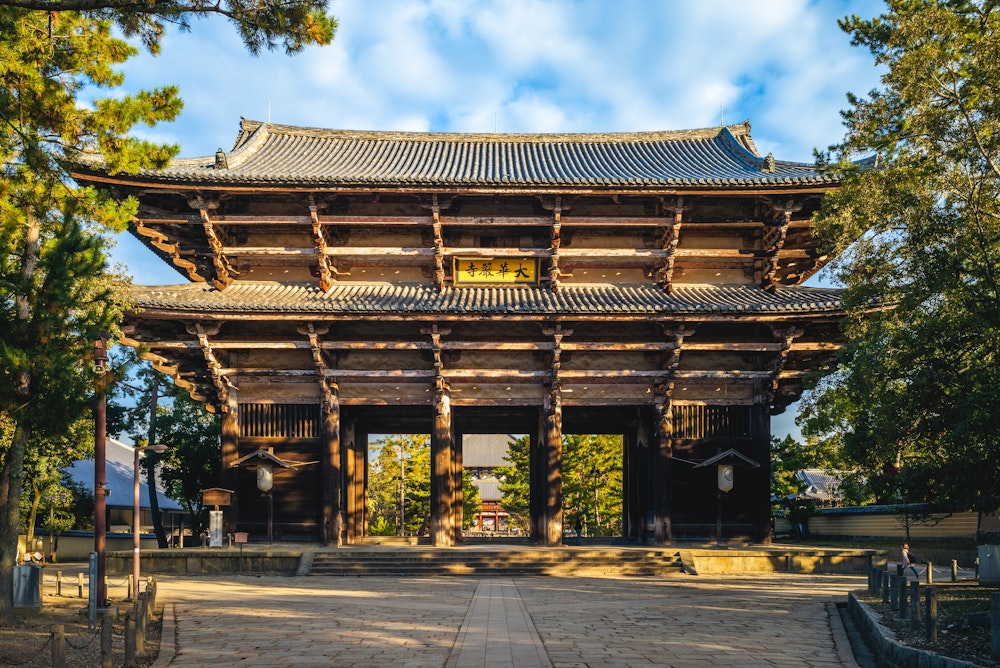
(136, 514)
(100, 357)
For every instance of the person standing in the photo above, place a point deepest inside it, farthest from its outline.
(909, 560)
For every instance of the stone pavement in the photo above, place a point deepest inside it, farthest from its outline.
(274, 621)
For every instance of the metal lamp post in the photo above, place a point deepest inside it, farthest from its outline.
(135, 513)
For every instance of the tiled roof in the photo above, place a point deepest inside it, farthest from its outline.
(269, 154)
(380, 299)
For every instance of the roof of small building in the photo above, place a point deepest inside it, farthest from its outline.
(268, 154)
(576, 299)
(489, 488)
(485, 450)
(119, 471)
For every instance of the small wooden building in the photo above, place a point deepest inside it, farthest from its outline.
(340, 284)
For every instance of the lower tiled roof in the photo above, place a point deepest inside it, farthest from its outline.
(575, 299)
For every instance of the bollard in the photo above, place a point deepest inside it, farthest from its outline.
(130, 579)
(106, 631)
(977, 568)
(915, 604)
(904, 605)
(899, 569)
(58, 583)
(930, 572)
(954, 570)
(58, 652)
(140, 626)
(885, 586)
(79, 585)
(130, 640)
(931, 616)
(894, 591)
(995, 626)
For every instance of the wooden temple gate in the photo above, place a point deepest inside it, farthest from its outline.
(343, 284)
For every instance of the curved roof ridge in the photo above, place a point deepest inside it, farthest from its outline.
(247, 144)
(249, 127)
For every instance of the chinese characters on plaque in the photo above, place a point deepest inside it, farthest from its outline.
(479, 270)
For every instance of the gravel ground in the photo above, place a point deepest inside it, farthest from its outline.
(28, 643)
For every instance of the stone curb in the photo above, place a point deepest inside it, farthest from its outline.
(168, 637)
(887, 650)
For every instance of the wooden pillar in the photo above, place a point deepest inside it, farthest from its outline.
(552, 495)
(762, 474)
(442, 470)
(229, 476)
(643, 480)
(660, 470)
(361, 488)
(536, 477)
(351, 516)
(629, 469)
(458, 496)
(332, 518)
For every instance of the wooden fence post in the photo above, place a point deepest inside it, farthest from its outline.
(932, 614)
(902, 587)
(130, 639)
(106, 631)
(915, 604)
(58, 652)
(995, 626)
(954, 570)
(930, 572)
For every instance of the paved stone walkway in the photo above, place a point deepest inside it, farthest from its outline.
(687, 621)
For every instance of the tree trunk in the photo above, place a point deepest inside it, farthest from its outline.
(11, 478)
(12, 472)
(154, 502)
(29, 525)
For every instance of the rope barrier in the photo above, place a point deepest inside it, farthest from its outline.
(93, 636)
(9, 661)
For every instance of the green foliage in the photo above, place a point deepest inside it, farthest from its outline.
(402, 466)
(592, 482)
(191, 461)
(293, 24)
(515, 484)
(56, 295)
(591, 478)
(916, 399)
(401, 469)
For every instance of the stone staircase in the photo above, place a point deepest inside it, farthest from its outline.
(565, 562)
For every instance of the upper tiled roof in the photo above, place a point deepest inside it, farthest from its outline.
(268, 154)
(580, 300)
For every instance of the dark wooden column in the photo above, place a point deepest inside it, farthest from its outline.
(458, 498)
(660, 469)
(536, 478)
(230, 441)
(551, 497)
(332, 529)
(630, 522)
(643, 480)
(352, 516)
(442, 469)
(762, 474)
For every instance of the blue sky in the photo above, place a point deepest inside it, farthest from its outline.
(522, 66)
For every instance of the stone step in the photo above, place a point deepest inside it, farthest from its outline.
(575, 563)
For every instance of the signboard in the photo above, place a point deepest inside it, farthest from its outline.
(216, 496)
(215, 528)
(495, 271)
